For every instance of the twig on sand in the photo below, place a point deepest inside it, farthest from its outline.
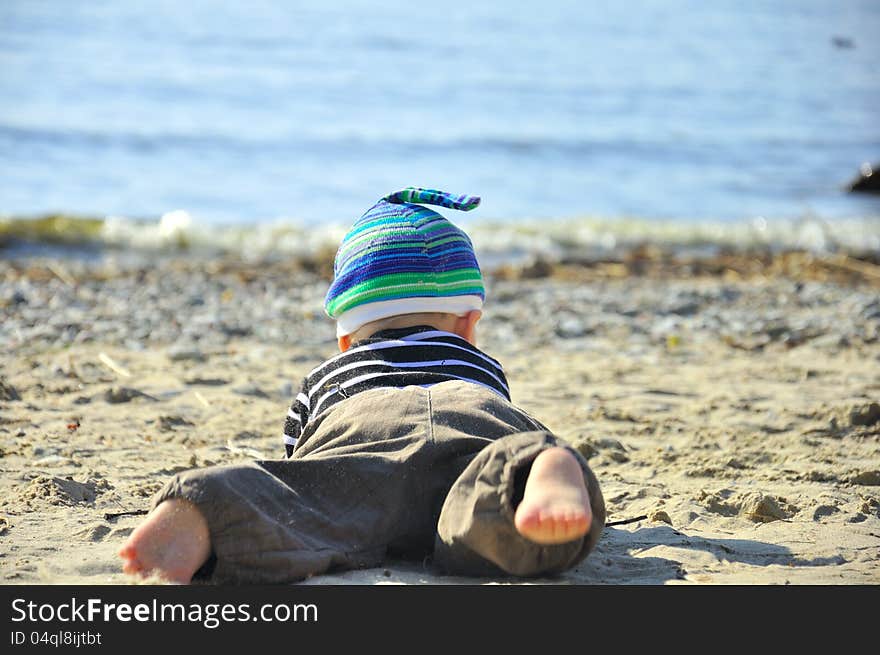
(866, 269)
(61, 274)
(201, 399)
(113, 366)
(625, 521)
(132, 512)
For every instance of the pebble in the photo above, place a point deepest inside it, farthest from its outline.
(659, 516)
(168, 423)
(8, 392)
(124, 395)
(867, 414)
(206, 382)
(586, 448)
(185, 306)
(867, 478)
(181, 353)
(250, 389)
(616, 456)
(570, 328)
(824, 510)
(685, 309)
(608, 443)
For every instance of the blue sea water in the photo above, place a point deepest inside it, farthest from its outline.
(249, 112)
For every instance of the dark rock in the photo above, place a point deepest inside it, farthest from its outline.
(586, 448)
(685, 309)
(207, 382)
(776, 330)
(867, 414)
(124, 394)
(539, 268)
(607, 443)
(8, 392)
(168, 423)
(250, 390)
(867, 478)
(824, 510)
(183, 352)
(235, 330)
(871, 311)
(866, 181)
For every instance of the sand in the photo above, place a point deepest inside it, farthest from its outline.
(730, 412)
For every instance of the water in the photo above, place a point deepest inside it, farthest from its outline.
(722, 113)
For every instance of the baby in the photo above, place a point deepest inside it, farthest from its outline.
(406, 443)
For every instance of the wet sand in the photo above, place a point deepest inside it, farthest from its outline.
(729, 405)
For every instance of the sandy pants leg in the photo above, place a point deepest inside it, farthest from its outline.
(365, 482)
(476, 534)
(280, 521)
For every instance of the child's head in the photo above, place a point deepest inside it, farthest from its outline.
(402, 264)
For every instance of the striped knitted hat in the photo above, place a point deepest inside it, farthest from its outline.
(403, 258)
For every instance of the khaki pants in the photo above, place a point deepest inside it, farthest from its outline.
(402, 472)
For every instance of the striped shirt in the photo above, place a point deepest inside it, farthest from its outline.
(415, 356)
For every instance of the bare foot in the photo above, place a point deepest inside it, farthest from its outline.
(555, 507)
(173, 542)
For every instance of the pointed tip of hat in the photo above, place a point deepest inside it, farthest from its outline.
(421, 196)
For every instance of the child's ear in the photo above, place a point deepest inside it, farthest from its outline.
(466, 326)
(344, 343)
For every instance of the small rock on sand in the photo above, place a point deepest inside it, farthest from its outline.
(867, 414)
(124, 394)
(824, 510)
(8, 392)
(250, 389)
(168, 423)
(571, 328)
(186, 352)
(867, 478)
(659, 516)
(586, 448)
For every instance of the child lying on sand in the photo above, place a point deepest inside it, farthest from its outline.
(406, 443)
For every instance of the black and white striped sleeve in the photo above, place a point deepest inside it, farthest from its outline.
(297, 417)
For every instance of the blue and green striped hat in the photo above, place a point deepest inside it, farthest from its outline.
(403, 258)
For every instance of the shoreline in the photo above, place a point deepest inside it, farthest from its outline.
(733, 399)
(514, 242)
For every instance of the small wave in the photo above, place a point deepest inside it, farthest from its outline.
(495, 241)
(74, 137)
(347, 140)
